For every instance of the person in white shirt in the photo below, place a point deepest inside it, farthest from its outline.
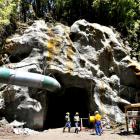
(76, 120)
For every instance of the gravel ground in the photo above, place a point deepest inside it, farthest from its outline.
(57, 134)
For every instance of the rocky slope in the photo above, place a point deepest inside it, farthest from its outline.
(86, 55)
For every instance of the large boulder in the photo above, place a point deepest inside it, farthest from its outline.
(85, 55)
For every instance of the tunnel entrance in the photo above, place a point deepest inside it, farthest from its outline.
(73, 100)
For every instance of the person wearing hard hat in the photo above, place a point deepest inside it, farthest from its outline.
(68, 122)
(76, 120)
(98, 123)
(92, 121)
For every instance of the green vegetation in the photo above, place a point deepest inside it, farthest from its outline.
(7, 17)
(72, 10)
(7, 9)
(124, 15)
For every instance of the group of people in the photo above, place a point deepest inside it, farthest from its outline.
(96, 122)
(68, 122)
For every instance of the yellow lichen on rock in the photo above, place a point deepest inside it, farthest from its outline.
(49, 56)
(70, 53)
(70, 66)
(70, 63)
(53, 46)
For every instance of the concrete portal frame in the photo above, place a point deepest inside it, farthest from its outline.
(131, 107)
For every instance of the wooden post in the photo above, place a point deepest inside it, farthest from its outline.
(81, 124)
(126, 118)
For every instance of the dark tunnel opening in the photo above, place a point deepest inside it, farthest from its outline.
(73, 100)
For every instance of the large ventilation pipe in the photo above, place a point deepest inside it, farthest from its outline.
(22, 78)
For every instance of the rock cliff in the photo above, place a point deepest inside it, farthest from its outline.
(85, 56)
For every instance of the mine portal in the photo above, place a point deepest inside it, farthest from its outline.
(73, 100)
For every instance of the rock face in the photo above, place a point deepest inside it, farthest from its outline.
(85, 56)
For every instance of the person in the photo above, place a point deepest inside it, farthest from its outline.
(68, 122)
(98, 128)
(76, 120)
(92, 121)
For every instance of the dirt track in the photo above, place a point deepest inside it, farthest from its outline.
(57, 134)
